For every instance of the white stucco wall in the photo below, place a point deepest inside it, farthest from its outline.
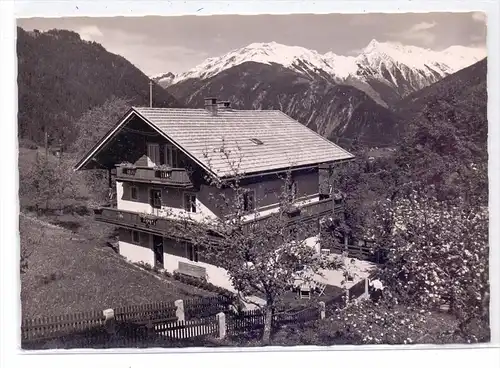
(275, 208)
(203, 213)
(216, 275)
(125, 205)
(136, 252)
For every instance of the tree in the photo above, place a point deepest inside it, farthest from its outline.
(385, 322)
(261, 257)
(443, 156)
(29, 242)
(92, 126)
(97, 121)
(437, 251)
(48, 180)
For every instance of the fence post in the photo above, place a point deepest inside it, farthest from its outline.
(221, 320)
(109, 321)
(322, 309)
(179, 313)
(367, 294)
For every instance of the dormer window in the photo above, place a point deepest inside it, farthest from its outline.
(256, 141)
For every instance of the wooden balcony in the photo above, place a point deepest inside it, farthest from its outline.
(170, 227)
(177, 177)
(309, 212)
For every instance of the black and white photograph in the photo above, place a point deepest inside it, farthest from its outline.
(244, 181)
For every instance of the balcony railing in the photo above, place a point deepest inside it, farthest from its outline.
(309, 212)
(168, 176)
(170, 227)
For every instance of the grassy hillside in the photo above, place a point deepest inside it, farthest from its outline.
(73, 271)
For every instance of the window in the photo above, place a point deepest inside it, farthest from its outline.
(248, 201)
(135, 237)
(192, 252)
(190, 202)
(171, 156)
(153, 154)
(133, 193)
(155, 199)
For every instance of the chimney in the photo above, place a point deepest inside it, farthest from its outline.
(211, 105)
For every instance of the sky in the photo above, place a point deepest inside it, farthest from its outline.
(161, 44)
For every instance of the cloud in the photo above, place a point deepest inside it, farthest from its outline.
(479, 17)
(419, 32)
(422, 26)
(89, 33)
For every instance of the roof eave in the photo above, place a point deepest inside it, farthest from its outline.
(95, 148)
(285, 169)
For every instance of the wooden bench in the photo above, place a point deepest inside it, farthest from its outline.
(192, 270)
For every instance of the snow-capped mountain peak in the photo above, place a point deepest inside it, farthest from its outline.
(265, 53)
(402, 68)
(339, 66)
(164, 79)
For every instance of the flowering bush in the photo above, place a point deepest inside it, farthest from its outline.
(437, 252)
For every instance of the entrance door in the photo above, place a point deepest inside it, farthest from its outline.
(155, 201)
(158, 250)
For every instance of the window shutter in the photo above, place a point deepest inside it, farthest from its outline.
(153, 154)
(168, 155)
(174, 157)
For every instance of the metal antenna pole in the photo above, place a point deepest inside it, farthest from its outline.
(150, 93)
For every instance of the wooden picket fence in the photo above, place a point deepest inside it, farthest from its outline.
(245, 321)
(205, 307)
(157, 324)
(181, 330)
(40, 328)
(162, 312)
(153, 311)
(134, 335)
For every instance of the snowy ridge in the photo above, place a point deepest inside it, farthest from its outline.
(420, 66)
(264, 53)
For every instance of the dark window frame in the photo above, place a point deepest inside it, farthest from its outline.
(132, 189)
(188, 203)
(248, 199)
(135, 232)
(152, 199)
(192, 252)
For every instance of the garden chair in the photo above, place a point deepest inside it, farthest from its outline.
(305, 291)
(321, 288)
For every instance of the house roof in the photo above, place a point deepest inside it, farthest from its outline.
(257, 140)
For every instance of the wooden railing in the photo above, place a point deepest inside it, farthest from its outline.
(310, 211)
(170, 227)
(171, 176)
